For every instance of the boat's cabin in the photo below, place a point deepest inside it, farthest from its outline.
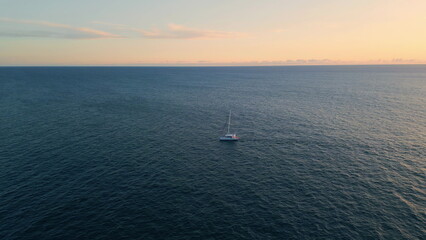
(230, 135)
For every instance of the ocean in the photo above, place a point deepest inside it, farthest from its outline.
(326, 152)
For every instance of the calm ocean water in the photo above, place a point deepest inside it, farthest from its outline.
(326, 152)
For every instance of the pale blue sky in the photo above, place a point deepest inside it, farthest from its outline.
(244, 14)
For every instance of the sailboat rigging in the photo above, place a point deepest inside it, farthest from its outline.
(229, 136)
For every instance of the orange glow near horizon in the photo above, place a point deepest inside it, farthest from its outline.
(333, 32)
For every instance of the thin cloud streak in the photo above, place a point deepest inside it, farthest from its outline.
(57, 30)
(175, 31)
(68, 31)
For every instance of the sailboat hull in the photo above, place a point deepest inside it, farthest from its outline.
(228, 139)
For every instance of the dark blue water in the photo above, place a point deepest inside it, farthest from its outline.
(326, 152)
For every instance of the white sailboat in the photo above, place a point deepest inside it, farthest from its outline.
(229, 136)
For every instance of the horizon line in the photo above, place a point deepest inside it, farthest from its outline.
(189, 65)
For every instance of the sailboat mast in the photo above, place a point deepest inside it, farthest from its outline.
(229, 121)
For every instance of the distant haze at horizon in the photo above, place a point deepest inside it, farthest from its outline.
(212, 33)
(297, 62)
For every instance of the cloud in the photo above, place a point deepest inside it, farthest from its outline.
(181, 32)
(45, 29)
(175, 31)
(56, 30)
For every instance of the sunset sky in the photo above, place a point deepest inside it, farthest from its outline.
(206, 32)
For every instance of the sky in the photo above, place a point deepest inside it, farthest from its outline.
(207, 32)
